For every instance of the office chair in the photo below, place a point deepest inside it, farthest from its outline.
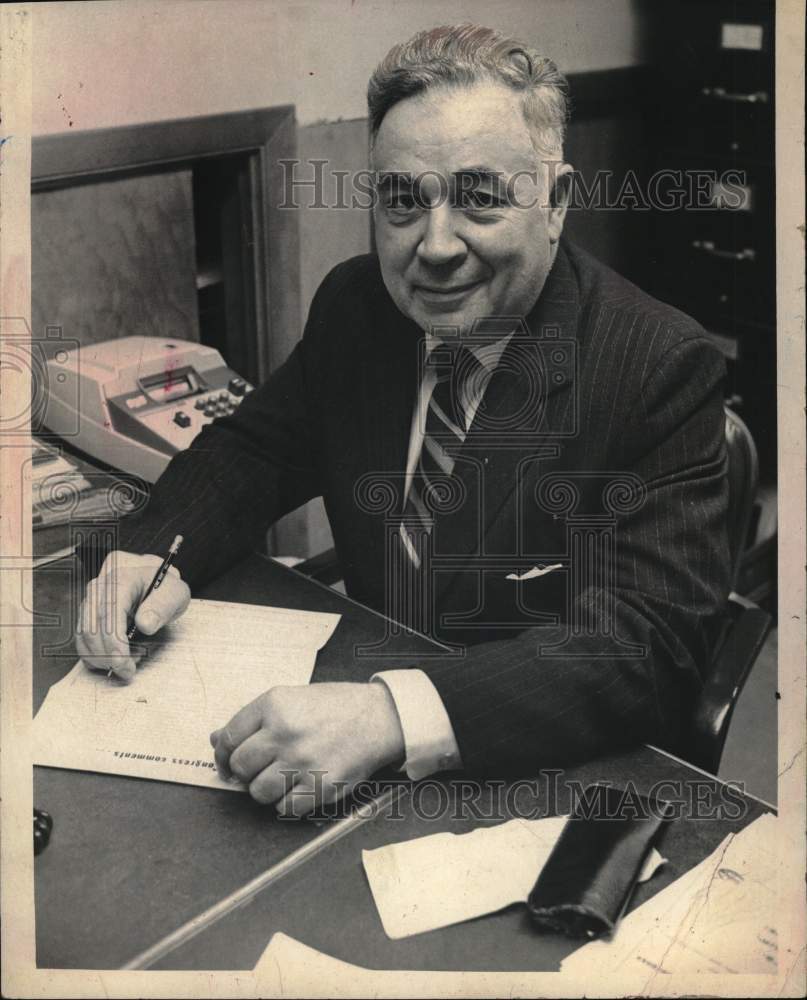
(743, 633)
(747, 626)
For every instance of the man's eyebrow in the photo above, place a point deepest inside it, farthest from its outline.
(481, 172)
(399, 177)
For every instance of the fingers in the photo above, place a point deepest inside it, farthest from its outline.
(309, 790)
(164, 604)
(242, 725)
(252, 756)
(273, 783)
(101, 630)
(113, 598)
(254, 763)
(296, 792)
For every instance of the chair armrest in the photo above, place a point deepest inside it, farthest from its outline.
(743, 639)
(323, 567)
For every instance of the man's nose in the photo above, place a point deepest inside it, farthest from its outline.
(440, 243)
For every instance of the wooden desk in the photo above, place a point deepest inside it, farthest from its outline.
(131, 861)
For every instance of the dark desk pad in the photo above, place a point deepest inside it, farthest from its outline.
(129, 860)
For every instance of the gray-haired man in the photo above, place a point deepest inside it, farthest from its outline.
(467, 130)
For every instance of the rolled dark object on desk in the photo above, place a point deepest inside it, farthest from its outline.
(587, 881)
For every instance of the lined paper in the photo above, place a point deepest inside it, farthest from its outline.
(196, 675)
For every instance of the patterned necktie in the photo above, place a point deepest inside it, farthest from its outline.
(455, 368)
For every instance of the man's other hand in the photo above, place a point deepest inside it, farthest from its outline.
(325, 737)
(110, 601)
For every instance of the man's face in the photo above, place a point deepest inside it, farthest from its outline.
(448, 258)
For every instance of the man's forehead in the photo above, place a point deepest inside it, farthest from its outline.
(456, 129)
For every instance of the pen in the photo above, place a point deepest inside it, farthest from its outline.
(159, 576)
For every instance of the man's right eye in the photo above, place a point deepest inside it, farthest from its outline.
(402, 204)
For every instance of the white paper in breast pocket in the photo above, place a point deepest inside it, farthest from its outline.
(531, 574)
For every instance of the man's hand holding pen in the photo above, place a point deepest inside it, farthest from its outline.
(119, 596)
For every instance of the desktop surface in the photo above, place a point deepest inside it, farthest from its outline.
(130, 860)
(326, 903)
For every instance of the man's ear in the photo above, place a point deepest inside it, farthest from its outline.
(559, 195)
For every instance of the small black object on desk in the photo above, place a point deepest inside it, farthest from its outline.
(43, 824)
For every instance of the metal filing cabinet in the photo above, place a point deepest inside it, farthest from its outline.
(714, 256)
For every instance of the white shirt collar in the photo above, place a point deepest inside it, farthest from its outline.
(488, 355)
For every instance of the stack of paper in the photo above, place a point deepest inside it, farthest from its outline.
(198, 673)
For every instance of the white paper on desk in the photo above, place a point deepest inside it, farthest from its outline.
(287, 965)
(202, 669)
(420, 885)
(718, 918)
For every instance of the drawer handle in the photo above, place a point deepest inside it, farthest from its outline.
(757, 97)
(708, 247)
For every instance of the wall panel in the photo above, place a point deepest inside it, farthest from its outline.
(114, 258)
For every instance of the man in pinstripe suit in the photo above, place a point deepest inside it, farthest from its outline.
(549, 440)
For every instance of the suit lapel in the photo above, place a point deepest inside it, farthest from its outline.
(388, 390)
(517, 417)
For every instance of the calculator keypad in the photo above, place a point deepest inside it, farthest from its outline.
(220, 402)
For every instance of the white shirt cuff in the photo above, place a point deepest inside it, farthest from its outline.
(428, 734)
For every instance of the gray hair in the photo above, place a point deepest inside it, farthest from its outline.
(465, 54)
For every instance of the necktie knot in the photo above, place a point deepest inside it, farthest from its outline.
(457, 371)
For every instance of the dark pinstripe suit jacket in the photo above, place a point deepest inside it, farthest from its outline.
(607, 650)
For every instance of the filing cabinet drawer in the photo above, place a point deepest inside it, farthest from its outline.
(710, 126)
(720, 289)
(726, 201)
(723, 44)
(717, 67)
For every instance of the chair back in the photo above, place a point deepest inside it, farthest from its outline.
(743, 474)
(746, 627)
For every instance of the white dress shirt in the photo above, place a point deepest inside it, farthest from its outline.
(428, 734)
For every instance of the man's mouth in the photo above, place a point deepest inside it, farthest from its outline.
(445, 293)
